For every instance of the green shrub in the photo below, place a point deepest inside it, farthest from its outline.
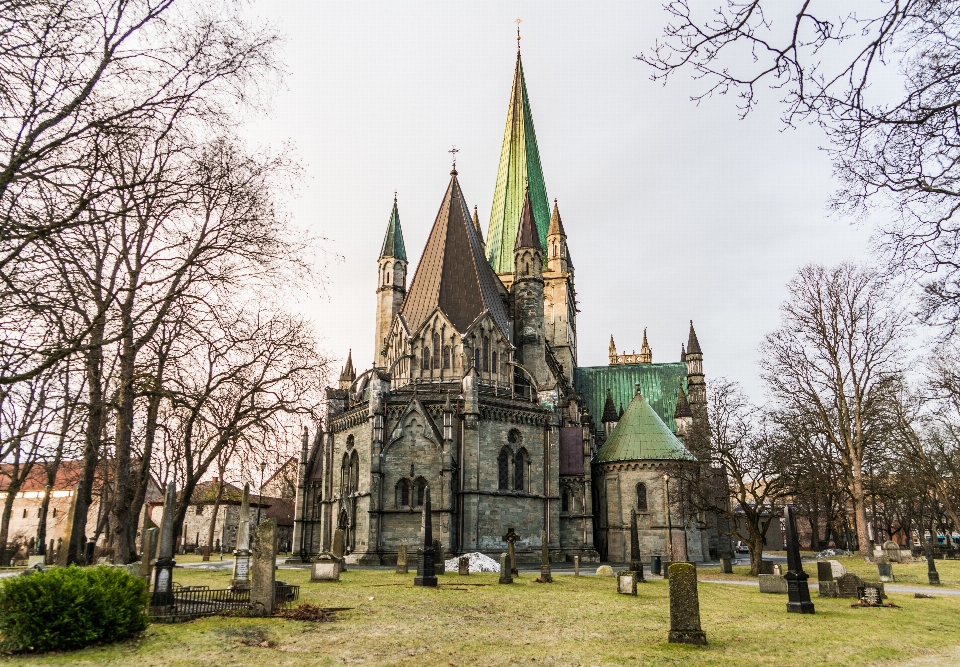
(70, 607)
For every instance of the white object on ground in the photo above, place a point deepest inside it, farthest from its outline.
(478, 563)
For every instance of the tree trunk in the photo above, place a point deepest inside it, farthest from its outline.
(149, 437)
(94, 433)
(216, 508)
(859, 508)
(122, 496)
(12, 491)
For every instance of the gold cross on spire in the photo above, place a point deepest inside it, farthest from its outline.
(518, 22)
(453, 151)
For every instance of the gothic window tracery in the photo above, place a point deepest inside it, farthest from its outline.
(565, 501)
(486, 353)
(519, 469)
(403, 493)
(476, 358)
(436, 351)
(421, 490)
(425, 365)
(446, 356)
(503, 469)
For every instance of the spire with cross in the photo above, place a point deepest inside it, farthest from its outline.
(453, 151)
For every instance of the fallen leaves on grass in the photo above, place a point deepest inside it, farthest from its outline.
(305, 612)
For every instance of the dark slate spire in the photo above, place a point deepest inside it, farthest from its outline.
(527, 234)
(348, 375)
(609, 410)
(620, 414)
(683, 407)
(693, 345)
(393, 240)
(476, 223)
(453, 273)
(556, 224)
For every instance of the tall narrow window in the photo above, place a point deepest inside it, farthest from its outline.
(519, 468)
(345, 475)
(642, 497)
(503, 469)
(436, 351)
(421, 491)
(403, 493)
(494, 362)
(486, 354)
(425, 365)
(476, 358)
(446, 356)
(354, 472)
(565, 501)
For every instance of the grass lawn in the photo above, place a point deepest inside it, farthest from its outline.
(574, 621)
(906, 574)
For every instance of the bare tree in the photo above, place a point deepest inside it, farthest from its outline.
(881, 78)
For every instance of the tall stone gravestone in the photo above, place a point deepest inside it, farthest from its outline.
(892, 551)
(263, 569)
(72, 545)
(797, 589)
(826, 584)
(426, 575)
(241, 555)
(510, 538)
(148, 548)
(636, 565)
(163, 572)
(439, 565)
(402, 558)
(726, 565)
(545, 575)
(338, 549)
(576, 566)
(684, 606)
(505, 577)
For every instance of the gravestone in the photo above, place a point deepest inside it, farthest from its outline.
(463, 566)
(766, 567)
(149, 547)
(827, 589)
(163, 572)
(777, 570)
(796, 577)
(605, 571)
(726, 565)
(838, 569)
(773, 583)
(824, 571)
(576, 566)
(892, 551)
(440, 566)
(847, 586)
(510, 538)
(337, 548)
(505, 577)
(885, 571)
(666, 569)
(635, 563)
(263, 587)
(241, 556)
(71, 548)
(545, 576)
(325, 568)
(402, 558)
(88, 549)
(870, 595)
(627, 582)
(51, 553)
(684, 606)
(426, 575)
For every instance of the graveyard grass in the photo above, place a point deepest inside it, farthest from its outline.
(575, 621)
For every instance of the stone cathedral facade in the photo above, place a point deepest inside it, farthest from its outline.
(475, 394)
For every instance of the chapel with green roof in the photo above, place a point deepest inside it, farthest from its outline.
(475, 398)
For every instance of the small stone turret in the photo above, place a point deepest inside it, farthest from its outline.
(612, 351)
(391, 283)
(348, 374)
(610, 415)
(556, 243)
(683, 416)
(646, 354)
(696, 386)
(528, 299)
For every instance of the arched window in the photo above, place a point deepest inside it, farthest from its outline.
(436, 351)
(486, 353)
(403, 493)
(345, 475)
(476, 357)
(446, 356)
(354, 472)
(503, 469)
(388, 277)
(642, 497)
(425, 364)
(494, 362)
(421, 491)
(565, 501)
(519, 469)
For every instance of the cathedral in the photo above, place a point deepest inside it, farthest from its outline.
(475, 394)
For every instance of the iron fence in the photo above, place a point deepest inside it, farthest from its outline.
(193, 601)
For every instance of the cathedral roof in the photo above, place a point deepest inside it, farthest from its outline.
(527, 234)
(519, 168)
(453, 275)
(609, 410)
(393, 240)
(693, 345)
(641, 435)
(683, 406)
(660, 384)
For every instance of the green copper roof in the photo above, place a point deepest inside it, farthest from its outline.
(660, 384)
(641, 435)
(519, 167)
(393, 241)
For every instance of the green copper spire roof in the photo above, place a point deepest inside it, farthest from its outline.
(641, 435)
(519, 168)
(393, 241)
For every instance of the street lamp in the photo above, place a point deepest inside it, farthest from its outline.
(666, 495)
(263, 468)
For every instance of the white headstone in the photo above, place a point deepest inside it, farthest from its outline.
(838, 569)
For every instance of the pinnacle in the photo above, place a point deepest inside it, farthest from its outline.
(556, 223)
(693, 345)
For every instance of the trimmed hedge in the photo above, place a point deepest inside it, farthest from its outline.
(65, 608)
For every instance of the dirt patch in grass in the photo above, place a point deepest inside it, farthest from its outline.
(306, 612)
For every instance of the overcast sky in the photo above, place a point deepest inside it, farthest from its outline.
(674, 212)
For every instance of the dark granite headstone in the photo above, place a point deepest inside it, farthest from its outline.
(848, 584)
(426, 575)
(885, 571)
(635, 563)
(766, 567)
(797, 589)
(684, 606)
(463, 566)
(726, 565)
(824, 571)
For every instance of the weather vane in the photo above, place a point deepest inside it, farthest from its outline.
(453, 151)
(518, 22)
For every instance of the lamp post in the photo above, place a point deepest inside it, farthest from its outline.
(666, 495)
(263, 469)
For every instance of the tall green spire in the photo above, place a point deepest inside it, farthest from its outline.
(519, 168)
(393, 239)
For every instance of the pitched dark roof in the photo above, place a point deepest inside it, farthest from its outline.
(453, 273)
(609, 410)
(556, 223)
(476, 223)
(693, 345)
(683, 407)
(683, 353)
(393, 239)
(348, 374)
(527, 234)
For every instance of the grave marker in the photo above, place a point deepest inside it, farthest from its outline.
(402, 558)
(439, 565)
(773, 583)
(576, 566)
(797, 587)
(510, 538)
(892, 551)
(627, 582)
(241, 555)
(325, 568)
(726, 565)
(338, 548)
(149, 547)
(635, 564)
(885, 571)
(463, 566)
(263, 589)
(684, 606)
(847, 586)
(426, 575)
(545, 576)
(505, 577)
(163, 572)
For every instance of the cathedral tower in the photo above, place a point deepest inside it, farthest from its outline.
(560, 299)
(528, 298)
(391, 283)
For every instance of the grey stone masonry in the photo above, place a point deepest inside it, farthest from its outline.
(684, 606)
(263, 570)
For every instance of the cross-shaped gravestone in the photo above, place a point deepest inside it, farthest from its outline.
(510, 538)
